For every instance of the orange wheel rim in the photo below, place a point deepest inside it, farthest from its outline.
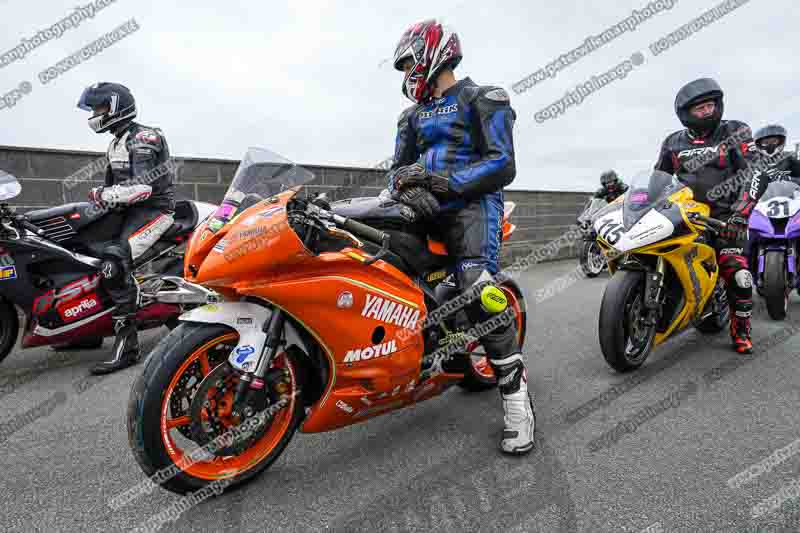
(481, 364)
(229, 466)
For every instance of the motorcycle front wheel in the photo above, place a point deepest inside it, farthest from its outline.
(185, 445)
(776, 290)
(592, 259)
(9, 328)
(625, 338)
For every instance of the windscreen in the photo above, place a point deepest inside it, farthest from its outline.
(261, 174)
(647, 190)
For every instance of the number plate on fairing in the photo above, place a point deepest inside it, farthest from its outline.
(779, 207)
(652, 227)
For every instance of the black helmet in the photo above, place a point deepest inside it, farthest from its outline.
(122, 106)
(769, 147)
(695, 92)
(608, 177)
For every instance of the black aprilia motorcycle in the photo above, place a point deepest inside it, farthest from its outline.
(49, 270)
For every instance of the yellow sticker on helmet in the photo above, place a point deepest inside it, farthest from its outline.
(493, 300)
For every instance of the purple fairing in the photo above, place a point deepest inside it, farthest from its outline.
(793, 227)
(760, 226)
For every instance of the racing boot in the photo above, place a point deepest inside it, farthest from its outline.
(740, 326)
(519, 418)
(126, 346)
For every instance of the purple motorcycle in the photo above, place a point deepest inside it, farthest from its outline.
(774, 232)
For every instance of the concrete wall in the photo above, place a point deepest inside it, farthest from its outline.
(540, 216)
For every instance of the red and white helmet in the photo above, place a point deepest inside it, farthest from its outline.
(432, 47)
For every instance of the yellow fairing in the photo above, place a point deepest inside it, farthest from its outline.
(698, 284)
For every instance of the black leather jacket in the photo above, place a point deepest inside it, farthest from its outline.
(139, 155)
(705, 164)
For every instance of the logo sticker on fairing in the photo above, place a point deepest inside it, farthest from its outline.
(271, 211)
(371, 352)
(80, 310)
(390, 312)
(242, 352)
(8, 272)
(344, 300)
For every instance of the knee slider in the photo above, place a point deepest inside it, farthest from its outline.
(115, 258)
(493, 300)
(743, 279)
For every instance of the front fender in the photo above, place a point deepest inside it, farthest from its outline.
(244, 317)
(248, 320)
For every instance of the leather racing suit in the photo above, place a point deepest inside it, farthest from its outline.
(466, 135)
(139, 178)
(709, 167)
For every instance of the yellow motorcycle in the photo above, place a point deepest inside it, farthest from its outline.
(665, 275)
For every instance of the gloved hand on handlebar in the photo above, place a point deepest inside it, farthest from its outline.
(736, 228)
(420, 200)
(416, 175)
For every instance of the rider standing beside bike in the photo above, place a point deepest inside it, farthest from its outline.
(611, 187)
(706, 154)
(770, 141)
(454, 153)
(138, 181)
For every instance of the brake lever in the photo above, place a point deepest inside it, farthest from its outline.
(382, 252)
(338, 232)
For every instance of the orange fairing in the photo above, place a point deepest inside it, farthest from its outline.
(355, 311)
(439, 248)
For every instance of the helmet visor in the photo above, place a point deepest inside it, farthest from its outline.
(90, 99)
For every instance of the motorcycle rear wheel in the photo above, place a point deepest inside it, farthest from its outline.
(479, 375)
(159, 424)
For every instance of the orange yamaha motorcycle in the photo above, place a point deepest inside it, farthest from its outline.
(306, 326)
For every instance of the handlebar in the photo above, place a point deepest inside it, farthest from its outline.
(363, 230)
(712, 222)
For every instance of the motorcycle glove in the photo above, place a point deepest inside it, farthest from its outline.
(736, 228)
(416, 175)
(420, 200)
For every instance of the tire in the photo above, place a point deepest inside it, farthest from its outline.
(621, 292)
(479, 375)
(589, 249)
(172, 357)
(9, 328)
(775, 290)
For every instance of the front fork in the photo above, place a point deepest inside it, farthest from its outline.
(653, 291)
(760, 253)
(252, 391)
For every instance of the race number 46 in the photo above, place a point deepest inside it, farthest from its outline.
(610, 231)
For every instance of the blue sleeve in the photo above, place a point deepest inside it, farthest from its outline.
(494, 119)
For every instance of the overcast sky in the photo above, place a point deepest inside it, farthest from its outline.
(309, 79)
